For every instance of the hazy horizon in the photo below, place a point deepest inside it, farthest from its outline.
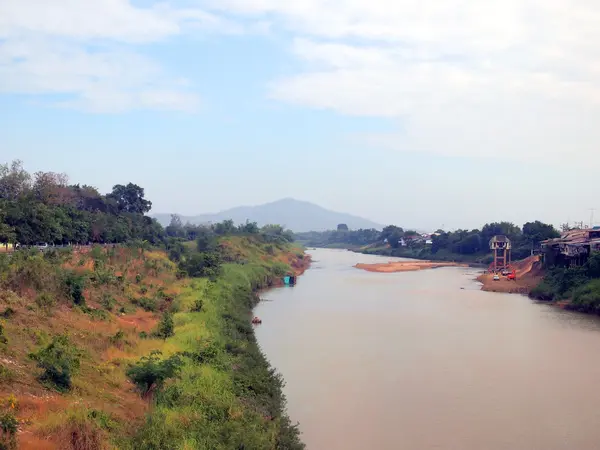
(454, 115)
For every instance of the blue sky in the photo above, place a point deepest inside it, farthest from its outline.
(452, 114)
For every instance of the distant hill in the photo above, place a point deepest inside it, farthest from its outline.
(294, 214)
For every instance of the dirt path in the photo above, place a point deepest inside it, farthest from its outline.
(406, 266)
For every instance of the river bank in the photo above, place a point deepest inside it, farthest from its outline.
(529, 274)
(134, 308)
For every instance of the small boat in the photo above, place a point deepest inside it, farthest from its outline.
(256, 320)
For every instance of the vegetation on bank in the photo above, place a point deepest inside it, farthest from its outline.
(579, 286)
(94, 341)
(224, 394)
(146, 343)
(459, 245)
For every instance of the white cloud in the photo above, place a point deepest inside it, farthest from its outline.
(87, 51)
(511, 78)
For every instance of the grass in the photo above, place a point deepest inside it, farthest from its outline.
(226, 395)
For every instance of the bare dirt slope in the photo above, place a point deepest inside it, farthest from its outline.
(529, 274)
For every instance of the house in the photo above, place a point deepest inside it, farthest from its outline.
(574, 245)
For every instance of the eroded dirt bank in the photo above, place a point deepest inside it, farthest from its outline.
(529, 275)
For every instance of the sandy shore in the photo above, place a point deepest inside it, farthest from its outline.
(406, 266)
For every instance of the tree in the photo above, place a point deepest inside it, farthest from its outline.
(60, 359)
(249, 227)
(130, 198)
(207, 264)
(14, 180)
(151, 371)
(536, 232)
(390, 230)
(224, 228)
(342, 227)
(166, 326)
(175, 228)
(470, 244)
(206, 240)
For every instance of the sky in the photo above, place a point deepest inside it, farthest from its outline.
(424, 114)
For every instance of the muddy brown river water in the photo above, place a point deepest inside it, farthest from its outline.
(425, 360)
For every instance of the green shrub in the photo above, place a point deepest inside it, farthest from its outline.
(543, 291)
(586, 298)
(59, 360)
(75, 285)
(198, 305)
(166, 327)
(148, 304)
(280, 269)
(151, 371)
(45, 300)
(206, 264)
(8, 431)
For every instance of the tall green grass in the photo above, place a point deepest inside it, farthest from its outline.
(227, 396)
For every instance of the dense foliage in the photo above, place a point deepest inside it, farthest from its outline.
(44, 207)
(578, 284)
(218, 391)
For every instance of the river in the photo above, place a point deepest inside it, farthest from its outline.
(425, 360)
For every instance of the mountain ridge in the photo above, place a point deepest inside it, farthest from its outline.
(297, 215)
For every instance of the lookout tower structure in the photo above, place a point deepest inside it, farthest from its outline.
(501, 247)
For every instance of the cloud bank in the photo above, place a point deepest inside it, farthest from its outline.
(88, 52)
(514, 79)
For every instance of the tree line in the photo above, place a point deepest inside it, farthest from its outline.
(459, 244)
(44, 207)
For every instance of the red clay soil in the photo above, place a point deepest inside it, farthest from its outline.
(529, 275)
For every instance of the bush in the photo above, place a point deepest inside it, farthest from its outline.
(8, 431)
(202, 265)
(166, 327)
(8, 313)
(59, 360)
(45, 300)
(586, 298)
(148, 304)
(75, 285)
(151, 371)
(543, 291)
(198, 305)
